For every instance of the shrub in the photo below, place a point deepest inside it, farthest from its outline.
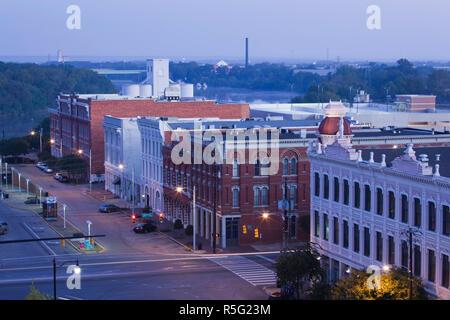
(189, 230)
(178, 224)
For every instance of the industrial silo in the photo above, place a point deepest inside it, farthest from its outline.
(145, 90)
(131, 90)
(187, 90)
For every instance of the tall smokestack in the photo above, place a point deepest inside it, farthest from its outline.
(246, 52)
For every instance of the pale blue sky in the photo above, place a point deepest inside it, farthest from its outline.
(300, 29)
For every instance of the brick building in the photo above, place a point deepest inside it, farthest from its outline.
(415, 102)
(75, 126)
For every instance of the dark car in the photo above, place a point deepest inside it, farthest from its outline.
(3, 227)
(108, 208)
(144, 227)
(63, 178)
(32, 200)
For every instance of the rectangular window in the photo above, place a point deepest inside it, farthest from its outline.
(316, 184)
(379, 255)
(326, 186)
(379, 201)
(355, 237)
(336, 189)
(445, 220)
(404, 255)
(404, 209)
(445, 271)
(431, 216)
(335, 230)
(367, 197)
(391, 205)
(366, 242)
(417, 261)
(317, 223)
(325, 226)
(417, 212)
(431, 266)
(345, 244)
(346, 192)
(357, 193)
(391, 250)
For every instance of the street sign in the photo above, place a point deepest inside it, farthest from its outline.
(147, 215)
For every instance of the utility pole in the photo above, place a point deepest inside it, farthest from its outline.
(410, 232)
(54, 278)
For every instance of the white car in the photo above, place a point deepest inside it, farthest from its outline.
(41, 165)
(48, 170)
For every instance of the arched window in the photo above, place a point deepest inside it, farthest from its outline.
(235, 197)
(257, 198)
(293, 167)
(285, 167)
(265, 196)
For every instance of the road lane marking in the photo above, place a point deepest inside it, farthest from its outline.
(37, 237)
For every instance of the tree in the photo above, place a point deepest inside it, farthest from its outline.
(73, 165)
(13, 147)
(297, 267)
(35, 294)
(394, 285)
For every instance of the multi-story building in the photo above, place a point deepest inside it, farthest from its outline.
(123, 170)
(151, 134)
(75, 126)
(364, 203)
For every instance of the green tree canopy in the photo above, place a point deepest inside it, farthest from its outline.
(394, 286)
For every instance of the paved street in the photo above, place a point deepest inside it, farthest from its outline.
(135, 266)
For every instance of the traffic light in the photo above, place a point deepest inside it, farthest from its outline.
(91, 241)
(244, 229)
(160, 216)
(133, 218)
(63, 243)
(256, 233)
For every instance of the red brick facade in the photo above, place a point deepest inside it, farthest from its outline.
(80, 120)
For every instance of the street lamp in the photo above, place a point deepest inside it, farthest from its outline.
(19, 174)
(40, 196)
(28, 180)
(64, 213)
(180, 189)
(77, 270)
(89, 227)
(265, 215)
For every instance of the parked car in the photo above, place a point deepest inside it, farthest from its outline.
(63, 178)
(40, 165)
(144, 227)
(57, 176)
(48, 170)
(108, 208)
(32, 200)
(3, 227)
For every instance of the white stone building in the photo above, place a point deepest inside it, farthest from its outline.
(151, 162)
(363, 202)
(123, 157)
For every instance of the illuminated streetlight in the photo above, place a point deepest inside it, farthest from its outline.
(80, 151)
(32, 132)
(265, 215)
(386, 267)
(179, 189)
(121, 166)
(52, 141)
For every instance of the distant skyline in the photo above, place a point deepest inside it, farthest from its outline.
(283, 30)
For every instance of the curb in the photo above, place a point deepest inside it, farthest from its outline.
(177, 242)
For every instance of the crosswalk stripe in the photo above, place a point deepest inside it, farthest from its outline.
(247, 269)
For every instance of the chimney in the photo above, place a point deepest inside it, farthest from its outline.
(359, 156)
(383, 160)
(436, 171)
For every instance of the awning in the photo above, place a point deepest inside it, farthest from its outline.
(116, 180)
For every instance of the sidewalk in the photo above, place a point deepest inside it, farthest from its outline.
(16, 200)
